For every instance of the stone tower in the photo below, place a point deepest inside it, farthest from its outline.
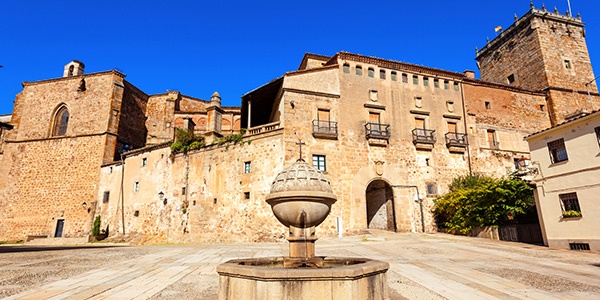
(544, 51)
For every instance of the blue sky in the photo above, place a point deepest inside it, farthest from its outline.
(233, 47)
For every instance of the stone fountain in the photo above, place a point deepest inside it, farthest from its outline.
(301, 198)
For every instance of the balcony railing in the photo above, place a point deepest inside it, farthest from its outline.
(325, 129)
(263, 128)
(455, 139)
(421, 135)
(377, 131)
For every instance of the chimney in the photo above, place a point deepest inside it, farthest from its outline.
(469, 74)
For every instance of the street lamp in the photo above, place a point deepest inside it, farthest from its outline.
(588, 91)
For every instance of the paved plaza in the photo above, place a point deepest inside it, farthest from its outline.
(436, 266)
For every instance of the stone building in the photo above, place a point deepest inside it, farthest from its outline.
(565, 158)
(389, 135)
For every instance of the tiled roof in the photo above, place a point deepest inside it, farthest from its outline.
(583, 115)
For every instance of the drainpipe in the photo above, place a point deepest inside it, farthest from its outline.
(462, 93)
(122, 193)
(417, 200)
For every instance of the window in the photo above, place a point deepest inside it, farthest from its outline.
(183, 190)
(323, 115)
(247, 167)
(436, 83)
(415, 79)
(318, 162)
(431, 189)
(420, 123)
(558, 151)
(426, 81)
(381, 74)
(491, 139)
(358, 70)
(542, 107)
(567, 64)
(247, 195)
(61, 122)
(106, 197)
(456, 86)
(452, 127)
(446, 85)
(597, 129)
(136, 213)
(570, 205)
(487, 105)
(394, 76)
(144, 162)
(404, 78)
(346, 68)
(136, 186)
(371, 72)
(510, 78)
(579, 246)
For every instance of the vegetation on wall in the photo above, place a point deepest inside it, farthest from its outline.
(478, 201)
(234, 138)
(96, 227)
(186, 140)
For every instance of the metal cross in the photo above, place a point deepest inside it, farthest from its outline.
(300, 143)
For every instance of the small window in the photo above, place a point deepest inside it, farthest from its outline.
(542, 107)
(371, 72)
(516, 163)
(446, 84)
(487, 105)
(579, 246)
(246, 195)
(144, 162)
(346, 68)
(247, 167)
(431, 189)
(215, 201)
(491, 139)
(110, 170)
(436, 83)
(452, 128)
(597, 129)
(136, 213)
(511, 78)
(183, 190)
(61, 122)
(568, 64)
(456, 86)
(358, 70)
(106, 197)
(404, 78)
(136, 186)
(426, 81)
(427, 162)
(381, 74)
(570, 205)
(558, 151)
(394, 76)
(319, 162)
(415, 79)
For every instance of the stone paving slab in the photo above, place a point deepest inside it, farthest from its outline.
(421, 267)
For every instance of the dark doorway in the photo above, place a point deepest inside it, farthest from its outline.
(59, 228)
(380, 206)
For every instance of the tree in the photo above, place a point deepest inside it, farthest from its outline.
(477, 201)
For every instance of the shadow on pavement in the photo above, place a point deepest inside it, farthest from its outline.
(17, 249)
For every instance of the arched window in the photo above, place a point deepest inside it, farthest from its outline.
(71, 69)
(61, 121)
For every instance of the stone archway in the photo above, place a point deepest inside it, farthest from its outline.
(380, 206)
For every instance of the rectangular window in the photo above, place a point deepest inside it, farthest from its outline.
(144, 162)
(346, 68)
(183, 190)
(569, 202)
(446, 84)
(323, 115)
(136, 186)
(597, 129)
(358, 70)
(371, 72)
(318, 162)
(436, 83)
(381, 74)
(510, 78)
(579, 246)
(247, 167)
(106, 196)
(426, 81)
(487, 105)
(415, 79)
(404, 78)
(394, 76)
(375, 120)
(491, 139)
(431, 189)
(420, 123)
(247, 195)
(456, 86)
(567, 64)
(452, 127)
(558, 151)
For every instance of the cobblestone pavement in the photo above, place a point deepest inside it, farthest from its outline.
(434, 266)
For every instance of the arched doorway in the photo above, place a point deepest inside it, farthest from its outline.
(380, 206)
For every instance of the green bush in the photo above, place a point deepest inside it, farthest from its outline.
(186, 140)
(477, 201)
(96, 228)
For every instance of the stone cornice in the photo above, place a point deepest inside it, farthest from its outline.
(114, 72)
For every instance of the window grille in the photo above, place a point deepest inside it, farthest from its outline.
(558, 151)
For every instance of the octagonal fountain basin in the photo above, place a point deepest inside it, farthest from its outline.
(317, 278)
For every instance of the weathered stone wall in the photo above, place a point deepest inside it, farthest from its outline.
(132, 128)
(160, 113)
